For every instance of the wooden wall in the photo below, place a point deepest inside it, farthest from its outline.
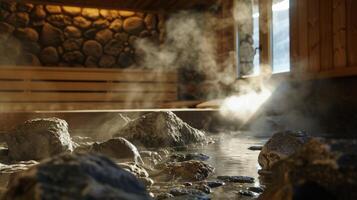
(324, 37)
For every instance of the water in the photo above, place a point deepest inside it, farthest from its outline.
(230, 154)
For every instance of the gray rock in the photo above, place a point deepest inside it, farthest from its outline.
(51, 36)
(118, 148)
(281, 145)
(163, 196)
(160, 129)
(38, 139)
(104, 36)
(81, 22)
(186, 171)
(133, 25)
(92, 48)
(77, 176)
(236, 179)
(49, 56)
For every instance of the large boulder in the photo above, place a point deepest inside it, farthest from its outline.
(160, 129)
(281, 145)
(118, 148)
(319, 170)
(38, 139)
(76, 176)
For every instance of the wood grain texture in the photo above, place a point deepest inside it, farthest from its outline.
(339, 33)
(303, 35)
(351, 32)
(326, 35)
(314, 35)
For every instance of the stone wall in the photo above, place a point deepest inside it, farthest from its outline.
(45, 35)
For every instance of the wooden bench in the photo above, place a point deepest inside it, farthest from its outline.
(55, 88)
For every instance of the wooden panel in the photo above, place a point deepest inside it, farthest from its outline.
(314, 35)
(303, 35)
(86, 86)
(339, 33)
(352, 32)
(84, 97)
(265, 34)
(43, 73)
(142, 5)
(326, 58)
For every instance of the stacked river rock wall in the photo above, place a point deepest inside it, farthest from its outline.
(47, 35)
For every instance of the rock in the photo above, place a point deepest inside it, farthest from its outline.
(100, 24)
(77, 176)
(150, 21)
(215, 184)
(9, 5)
(51, 36)
(256, 189)
(53, 9)
(150, 158)
(204, 188)
(49, 56)
(82, 22)
(133, 25)
(144, 34)
(190, 156)
(60, 21)
(236, 179)
(73, 57)
(7, 172)
(19, 19)
(116, 25)
(148, 182)
(38, 139)
(113, 47)
(189, 194)
(104, 36)
(164, 128)
(255, 148)
(90, 34)
(107, 61)
(92, 48)
(4, 14)
(70, 10)
(72, 44)
(135, 169)
(25, 7)
(125, 60)
(124, 13)
(123, 37)
(280, 146)
(316, 171)
(91, 61)
(163, 196)
(90, 13)
(5, 30)
(187, 171)
(29, 59)
(72, 32)
(246, 193)
(38, 12)
(118, 148)
(27, 34)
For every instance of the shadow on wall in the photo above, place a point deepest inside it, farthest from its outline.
(320, 107)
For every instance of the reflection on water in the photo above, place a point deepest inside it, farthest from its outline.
(230, 154)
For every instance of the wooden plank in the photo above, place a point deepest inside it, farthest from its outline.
(87, 86)
(351, 32)
(326, 34)
(335, 73)
(314, 35)
(265, 19)
(85, 97)
(303, 35)
(84, 75)
(339, 33)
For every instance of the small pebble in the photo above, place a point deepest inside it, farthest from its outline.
(214, 184)
(256, 148)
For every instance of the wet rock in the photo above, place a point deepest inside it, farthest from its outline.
(92, 48)
(280, 146)
(118, 148)
(59, 20)
(315, 171)
(125, 60)
(133, 25)
(100, 24)
(90, 13)
(246, 193)
(124, 13)
(148, 182)
(116, 25)
(27, 34)
(79, 177)
(190, 156)
(8, 171)
(51, 36)
(255, 148)
(38, 139)
(73, 11)
(38, 12)
(107, 61)
(53, 9)
(73, 57)
(25, 7)
(81, 22)
(256, 189)
(164, 128)
(236, 179)
(150, 157)
(189, 194)
(19, 19)
(104, 36)
(72, 32)
(215, 184)
(204, 188)
(150, 21)
(163, 196)
(113, 47)
(49, 56)
(82, 144)
(187, 171)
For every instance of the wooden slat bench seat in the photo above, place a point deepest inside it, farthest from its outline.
(60, 88)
